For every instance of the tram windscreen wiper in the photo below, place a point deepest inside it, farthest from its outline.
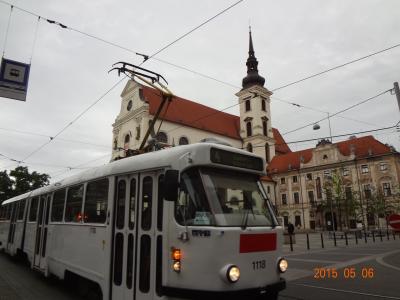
(247, 207)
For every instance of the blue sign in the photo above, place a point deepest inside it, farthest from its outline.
(14, 79)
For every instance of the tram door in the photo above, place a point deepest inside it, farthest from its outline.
(41, 232)
(11, 232)
(133, 272)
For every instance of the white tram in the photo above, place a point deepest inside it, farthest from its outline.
(187, 222)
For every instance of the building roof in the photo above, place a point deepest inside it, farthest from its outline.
(195, 115)
(362, 147)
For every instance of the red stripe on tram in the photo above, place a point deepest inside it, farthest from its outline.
(257, 242)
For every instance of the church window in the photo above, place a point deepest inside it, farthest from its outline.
(267, 157)
(263, 106)
(247, 105)
(249, 147)
(183, 140)
(129, 107)
(127, 138)
(162, 137)
(265, 127)
(249, 129)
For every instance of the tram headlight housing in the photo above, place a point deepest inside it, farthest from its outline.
(176, 256)
(282, 265)
(233, 273)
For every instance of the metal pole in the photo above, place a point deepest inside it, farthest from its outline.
(333, 222)
(322, 240)
(397, 92)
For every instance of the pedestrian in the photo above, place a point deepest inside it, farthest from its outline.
(290, 228)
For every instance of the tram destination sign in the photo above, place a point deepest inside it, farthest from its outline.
(233, 159)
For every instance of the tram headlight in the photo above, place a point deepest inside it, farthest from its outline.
(282, 265)
(233, 273)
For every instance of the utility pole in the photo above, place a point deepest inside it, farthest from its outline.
(397, 92)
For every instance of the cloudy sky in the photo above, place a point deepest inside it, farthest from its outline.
(292, 40)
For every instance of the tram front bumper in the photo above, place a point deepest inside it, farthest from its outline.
(255, 293)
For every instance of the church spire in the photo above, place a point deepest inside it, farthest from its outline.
(252, 78)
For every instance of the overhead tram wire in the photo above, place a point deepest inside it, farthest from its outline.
(195, 72)
(326, 137)
(256, 146)
(119, 81)
(338, 112)
(50, 137)
(205, 75)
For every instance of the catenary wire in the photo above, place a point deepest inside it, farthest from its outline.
(118, 82)
(338, 112)
(124, 48)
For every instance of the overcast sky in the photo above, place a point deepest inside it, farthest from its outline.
(292, 39)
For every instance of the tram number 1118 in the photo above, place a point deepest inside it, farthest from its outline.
(259, 264)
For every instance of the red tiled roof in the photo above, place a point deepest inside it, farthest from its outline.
(280, 145)
(267, 178)
(192, 114)
(363, 147)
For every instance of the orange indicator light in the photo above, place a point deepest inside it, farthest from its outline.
(176, 254)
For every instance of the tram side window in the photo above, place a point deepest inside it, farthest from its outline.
(147, 202)
(96, 201)
(2, 213)
(73, 208)
(57, 208)
(33, 210)
(9, 210)
(21, 209)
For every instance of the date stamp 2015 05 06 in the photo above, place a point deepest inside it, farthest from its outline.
(346, 273)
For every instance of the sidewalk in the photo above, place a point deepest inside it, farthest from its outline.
(328, 241)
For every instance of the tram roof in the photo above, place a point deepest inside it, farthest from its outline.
(147, 161)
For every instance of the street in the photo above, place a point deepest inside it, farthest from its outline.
(363, 271)
(311, 276)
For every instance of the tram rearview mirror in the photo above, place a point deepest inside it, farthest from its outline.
(171, 185)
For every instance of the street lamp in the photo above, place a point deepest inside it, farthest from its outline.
(317, 127)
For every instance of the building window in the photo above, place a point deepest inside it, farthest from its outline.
(283, 181)
(319, 189)
(345, 172)
(309, 176)
(126, 142)
(311, 197)
(162, 137)
(383, 167)
(249, 147)
(364, 169)
(367, 191)
(248, 129)
(325, 156)
(348, 192)
(265, 127)
(183, 141)
(267, 156)
(247, 105)
(284, 199)
(129, 106)
(268, 189)
(386, 189)
(263, 106)
(294, 178)
(296, 198)
(327, 173)
(297, 221)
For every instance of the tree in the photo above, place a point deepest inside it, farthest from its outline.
(20, 181)
(5, 186)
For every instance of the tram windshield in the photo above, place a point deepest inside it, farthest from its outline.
(214, 197)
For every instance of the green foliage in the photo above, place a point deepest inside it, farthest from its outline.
(20, 181)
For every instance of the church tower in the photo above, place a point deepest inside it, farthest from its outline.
(255, 114)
